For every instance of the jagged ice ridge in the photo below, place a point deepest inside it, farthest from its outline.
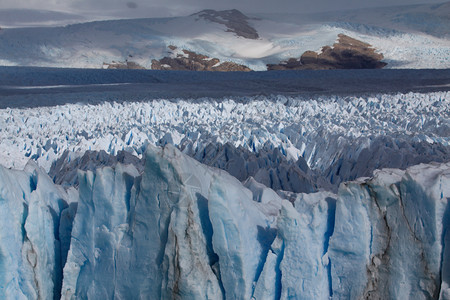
(340, 138)
(181, 229)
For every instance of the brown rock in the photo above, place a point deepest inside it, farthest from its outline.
(231, 67)
(347, 53)
(309, 57)
(123, 65)
(191, 61)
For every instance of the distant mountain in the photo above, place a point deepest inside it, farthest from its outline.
(407, 37)
(432, 19)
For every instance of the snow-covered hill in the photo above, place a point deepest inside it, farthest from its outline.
(231, 36)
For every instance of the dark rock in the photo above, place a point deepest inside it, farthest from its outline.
(191, 61)
(309, 57)
(234, 20)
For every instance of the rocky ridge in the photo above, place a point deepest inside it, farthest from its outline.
(130, 65)
(186, 60)
(346, 53)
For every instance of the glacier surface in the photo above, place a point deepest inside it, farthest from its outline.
(246, 197)
(180, 229)
(284, 142)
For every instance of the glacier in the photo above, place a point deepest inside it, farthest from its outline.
(325, 195)
(338, 137)
(35, 235)
(139, 184)
(181, 229)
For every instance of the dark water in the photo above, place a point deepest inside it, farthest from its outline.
(32, 86)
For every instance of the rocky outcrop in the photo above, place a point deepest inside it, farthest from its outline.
(229, 66)
(123, 65)
(185, 60)
(347, 53)
(234, 20)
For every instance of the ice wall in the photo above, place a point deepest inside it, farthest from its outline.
(180, 230)
(183, 230)
(35, 227)
(388, 240)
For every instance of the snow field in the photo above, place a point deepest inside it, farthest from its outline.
(89, 45)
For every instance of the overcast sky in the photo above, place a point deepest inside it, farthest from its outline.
(162, 8)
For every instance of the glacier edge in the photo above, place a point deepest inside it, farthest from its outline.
(184, 230)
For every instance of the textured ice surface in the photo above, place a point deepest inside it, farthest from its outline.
(184, 230)
(35, 233)
(145, 221)
(340, 138)
(303, 233)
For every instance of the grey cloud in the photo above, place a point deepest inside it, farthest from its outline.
(154, 8)
(132, 5)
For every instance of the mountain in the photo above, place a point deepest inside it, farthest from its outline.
(428, 19)
(407, 37)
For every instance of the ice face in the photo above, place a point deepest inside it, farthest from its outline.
(32, 235)
(180, 229)
(216, 239)
(393, 234)
(96, 238)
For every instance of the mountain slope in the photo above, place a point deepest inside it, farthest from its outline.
(415, 38)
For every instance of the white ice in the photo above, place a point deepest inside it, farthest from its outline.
(44, 133)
